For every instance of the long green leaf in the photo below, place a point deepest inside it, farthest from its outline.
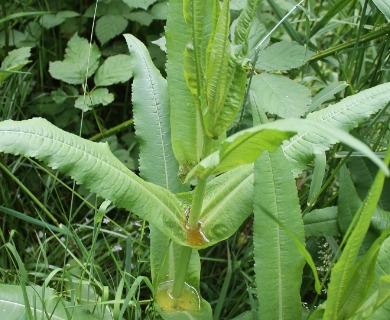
(93, 165)
(217, 77)
(245, 146)
(383, 6)
(346, 114)
(186, 129)
(339, 294)
(43, 303)
(278, 262)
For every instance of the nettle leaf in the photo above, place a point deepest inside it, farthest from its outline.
(93, 165)
(321, 222)
(115, 69)
(245, 146)
(143, 4)
(109, 26)
(346, 115)
(14, 61)
(73, 69)
(94, 98)
(284, 55)
(280, 95)
(384, 6)
(144, 18)
(49, 21)
(278, 262)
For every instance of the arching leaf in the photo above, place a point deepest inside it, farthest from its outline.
(93, 165)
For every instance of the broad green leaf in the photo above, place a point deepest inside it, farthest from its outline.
(115, 69)
(245, 146)
(280, 95)
(159, 11)
(321, 222)
(73, 69)
(94, 98)
(43, 302)
(109, 26)
(342, 300)
(278, 262)
(346, 115)
(49, 21)
(143, 4)
(384, 6)
(326, 94)
(144, 18)
(93, 165)
(284, 55)
(14, 61)
(227, 204)
(186, 130)
(257, 32)
(217, 77)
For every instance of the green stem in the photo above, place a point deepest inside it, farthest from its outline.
(114, 130)
(197, 201)
(181, 269)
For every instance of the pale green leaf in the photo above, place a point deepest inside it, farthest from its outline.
(245, 146)
(186, 130)
(43, 302)
(346, 115)
(227, 204)
(94, 166)
(280, 95)
(49, 21)
(144, 18)
(321, 222)
(14, 61)
(284, 55)
(143, 4)
(278, 262)
(109, 26)
(342, 299)
(326, 94)
(94, 98)
(257, 32)
(115, 69)
(217, 77)
(160, 11)
(73, 69)
(384, 6)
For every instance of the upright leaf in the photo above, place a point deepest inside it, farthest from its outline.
(185, 126)
(217, 68)
(342, 299)
(278, 262)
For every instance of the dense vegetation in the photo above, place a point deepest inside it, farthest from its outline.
(255, 210)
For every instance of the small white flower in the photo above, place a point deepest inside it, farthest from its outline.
(40, 234)
(116, 248)
(106, 221)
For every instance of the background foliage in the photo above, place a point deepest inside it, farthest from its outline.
(346, 51)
